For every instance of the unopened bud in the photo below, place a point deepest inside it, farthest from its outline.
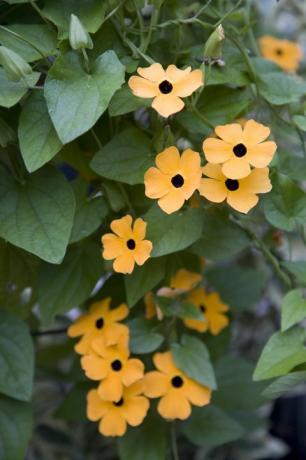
(14, 65)
(79, 38)
(213, 46)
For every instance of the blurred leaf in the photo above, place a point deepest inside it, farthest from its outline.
(12, 91)
(192, 357)
(37, 215)
(279, 88)
(86, 94)
(124, 102)
(282, 352)
(284, 384)
(73, 407)
(293, 308)
(143, 338)
(300, 121)
(298, 269)
(16, 358)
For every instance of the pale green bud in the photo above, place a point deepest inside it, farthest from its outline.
(79, 38)
(14, 65)
(213, 46)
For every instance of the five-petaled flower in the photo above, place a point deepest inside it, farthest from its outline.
(167, 87)
(113, 367)
(213, 310)
(285, 53)
(126, 245)
(181, 282)
(114, 417)
(174, 179)
(100, 321)
(239, 148)
(176, 390)
(240, 194)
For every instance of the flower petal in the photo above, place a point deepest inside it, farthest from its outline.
(236, 168)
(142, 87)
(198, 394)
(261, 154)
(111, 388)
(173, 406)
(143, 251)
(113, 424)
(213, 190)
(173, 74)
(173, 201)
(96, 407)
(187, 85)
(213, 171)
(125, 263)
(167, 104)
(216, 150)
(113, 246)
(113, 332)
(156, 183)
(135, 409)
(156, 384)
(190, 163)
(139, 229)
(168, 161)
(154, 72)
(122, 227)
(254, 133)
(164, 362)
(80, 326)
(231, 133)
(118, 313)
(95, 368)
(257, 182)
(241, 201)
(217, 322)
(132, 371)
(196, 324)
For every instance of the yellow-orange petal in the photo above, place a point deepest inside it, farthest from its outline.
(231, 133)
(157, 184)
(190, 163)
(96, 407)
(112, 246)
(262, 154)
(216, 150)
(132, 372)
(257, 182)
(173, 74)
(119, 313)
(198, 394)
(164, 362)
(154, 72)
(213, 171)
(144, 249)
(168, 161)
(217, 322)
(125, 263)
(173, 201)
(167, 104)
(173, 406)
(213, 190)
(122, 227)
(94, 367)
(139, 229)
(142, 87)
(135, 410)
(156, 384)
(242, 201)
(254, 133)
(236, 168)
(189, 84)
(110, 388)
(113, 424)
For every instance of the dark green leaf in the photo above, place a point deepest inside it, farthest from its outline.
(12, 91)
(293, 308)
(143, 338)
(284, 384)
(124, 102)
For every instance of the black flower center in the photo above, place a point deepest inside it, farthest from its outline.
(240, 150)
(232, 184)
(165, 87)
(119, 403)
(202, 308)
(116, 365)
(177, 381)
(99, 323)
(177, 181)
(131, 244)
(279, 52)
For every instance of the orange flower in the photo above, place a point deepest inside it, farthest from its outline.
(126, 245)
(175, 178)
(284, 53)
(166, 86)
(240, 194)
(183, 281)
(213, 310)
(176, 389)
(100, 321)
(111, 365)
(114, 417)
(239, 148)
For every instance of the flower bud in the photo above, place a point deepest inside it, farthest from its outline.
(213, 46)
(79, 38)
(14, 65)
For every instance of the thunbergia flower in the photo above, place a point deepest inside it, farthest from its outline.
(127, 244)
(114, 417)
(100, 321)
(239, 148)
(176, 390)
(286, 54)
(212, 308)
(240, 194)
(112, 365)
(167, 87)
(174, 179)
(182, 281)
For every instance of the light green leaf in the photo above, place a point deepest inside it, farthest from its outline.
(293, 308)
(89, 213)
(38, 214)
(12, 91)
(282, 352)
(174, 232)
(124, 102)
(279, 88)
(38, 140)
(15, 428)
(284, 384)
(143, 279)
(87, 95)
(300, 121)
(61, 287)
(143, 339)
(298, 269)
(125, 158)
(192, 357)
(16, 358)
(210, 427)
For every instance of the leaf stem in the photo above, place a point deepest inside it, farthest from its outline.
(175, 452)
(49, 332)
(127, 199)
(99, 143)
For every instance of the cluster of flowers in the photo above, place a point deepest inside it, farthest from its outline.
(124, 389)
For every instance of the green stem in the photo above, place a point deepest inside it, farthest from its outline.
(174, 442)
(202, 117)
(153, 22)
(86, 60)
(127, 199)
(228, 13)
(39, 12)
(99, 144)
(141, 26)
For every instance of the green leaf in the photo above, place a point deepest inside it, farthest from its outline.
(89, 213)
(298, 269)
(282, 352)
(38, 140)
(293, 308)
(73, 407)
(300, 121)
(149, 438)
(38, 214)
(16, 358)
(7, 134)
(61, 287)
(174, 232)
(12, 91)
(125, 158)
(90, 12)
(87, 95)
(143, 279)
(143, 339)
(285, 205)
(192, 357)
(15, 428)
(284, 384)
(124, 102)
(210, 427)
(221, 238)
(39, 35)
(279, 89)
